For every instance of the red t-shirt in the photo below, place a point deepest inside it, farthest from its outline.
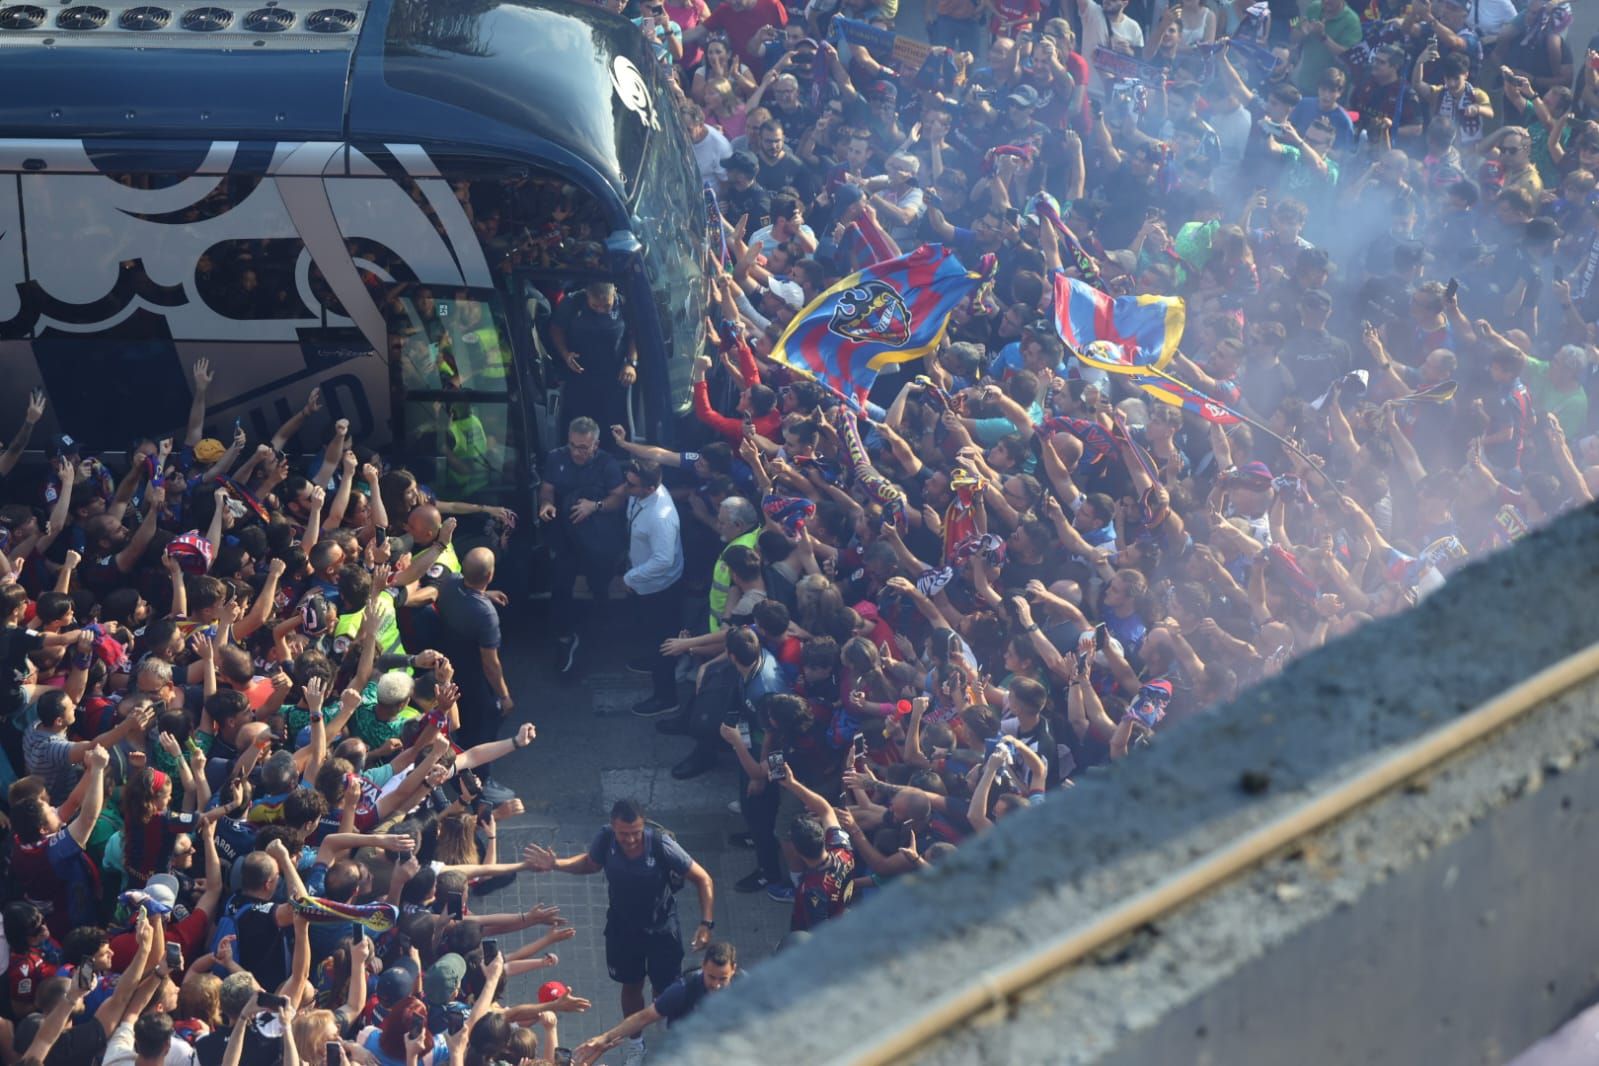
(740, 26)
(824, 889)
(1013, 15)
(25, 973)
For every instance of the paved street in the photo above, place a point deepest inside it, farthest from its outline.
(591, 751)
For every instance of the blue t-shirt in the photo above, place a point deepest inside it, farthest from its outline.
(640, 889)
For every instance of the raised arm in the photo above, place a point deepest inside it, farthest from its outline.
(19, 443)
(313, 403)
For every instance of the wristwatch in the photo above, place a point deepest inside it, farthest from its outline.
(706, 924)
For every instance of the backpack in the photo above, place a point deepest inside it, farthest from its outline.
(674, 878)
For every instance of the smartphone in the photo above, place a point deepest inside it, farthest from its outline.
(776, 766)
(858, 752)
(1560, 273)
(455, 904)
(271, 1001)
(454, 1021)
(491, 950)
(335, 1053)
(1101, 637)
(418, 1024)
(1451, 289)
(86, 977)
(406, 856)
(174, 958)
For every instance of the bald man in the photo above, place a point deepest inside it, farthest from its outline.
(470, 637)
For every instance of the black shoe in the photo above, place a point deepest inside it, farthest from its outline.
(641, 666)
(653, 707)
(566, 653)
(740, 840)
(698, 761)
(673, 727)
(754, 882)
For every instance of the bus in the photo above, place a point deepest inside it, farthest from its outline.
(381, 200)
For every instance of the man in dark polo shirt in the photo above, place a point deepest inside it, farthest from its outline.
(641, 864)
(674, 1004)
(470, 633)
(581, 504)
(590, 335)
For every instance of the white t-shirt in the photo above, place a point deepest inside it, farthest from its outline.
(710, 152)
(119, 1049)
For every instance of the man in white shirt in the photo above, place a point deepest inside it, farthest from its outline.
(1107, 27)
(711, 148)
(1488, 17)
(147, 1042)
(654, 578)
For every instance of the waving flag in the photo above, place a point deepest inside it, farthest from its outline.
(1169, 390)
(891, 312)
(1441, 392)
(1132, 332)
(1084, 262)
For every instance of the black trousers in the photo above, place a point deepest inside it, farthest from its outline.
(570, 555)
(760, 816)
(659, 617)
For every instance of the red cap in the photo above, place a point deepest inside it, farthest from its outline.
(550, 991)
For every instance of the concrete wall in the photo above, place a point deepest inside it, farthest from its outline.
(1439, 925)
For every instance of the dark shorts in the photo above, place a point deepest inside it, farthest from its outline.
(631, 955)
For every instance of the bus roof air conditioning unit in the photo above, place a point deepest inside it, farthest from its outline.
(331, 20)
(268, 20)
(145, 19)
(83, 17)
(22, 17)
(207, 19)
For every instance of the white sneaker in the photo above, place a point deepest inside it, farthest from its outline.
(632, 1053)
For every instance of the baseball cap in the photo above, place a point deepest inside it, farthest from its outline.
(443, 978)
(883, 90)
(163, 892)
(1257, 473)
(847, 195)
(742, 160)
(789, 292)
(394, 984)
(209, 450)
(1024, 96)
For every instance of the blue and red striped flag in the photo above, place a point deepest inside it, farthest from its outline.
(1169, 390)
(891, 312)
(1128, 333)
(863, 244)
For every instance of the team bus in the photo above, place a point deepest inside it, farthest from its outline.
(381, 199)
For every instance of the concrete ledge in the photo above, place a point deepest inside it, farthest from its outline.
(1491, 626)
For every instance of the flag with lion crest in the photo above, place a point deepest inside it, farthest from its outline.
(890, 312)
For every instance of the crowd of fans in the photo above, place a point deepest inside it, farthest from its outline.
(251, 714)
(253, 709)
(1009, 568)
